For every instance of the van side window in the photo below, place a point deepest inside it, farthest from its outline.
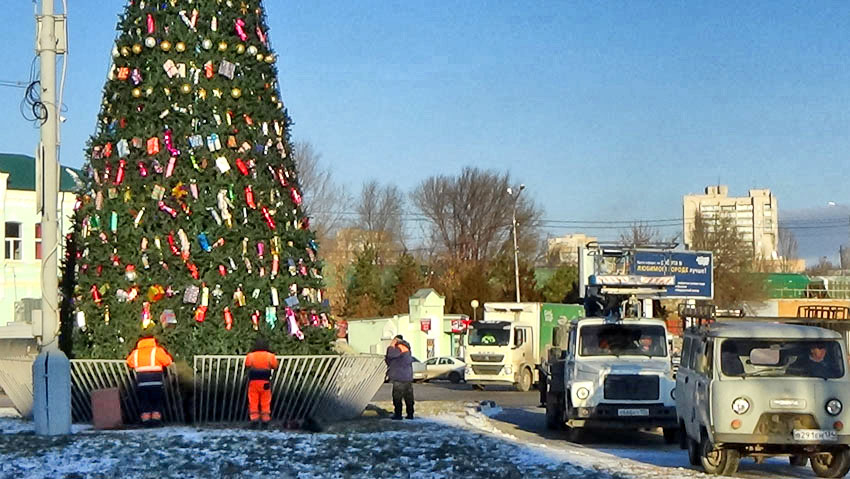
(571, 344)
(689, 353)
(705, 357)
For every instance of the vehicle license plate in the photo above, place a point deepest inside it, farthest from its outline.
(814, 435)
(633, 412)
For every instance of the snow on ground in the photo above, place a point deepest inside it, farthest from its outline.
(365, 448)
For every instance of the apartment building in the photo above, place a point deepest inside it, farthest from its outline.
(756, 216)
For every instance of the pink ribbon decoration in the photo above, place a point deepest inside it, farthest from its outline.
(240, 29)
(261, 35)
(151, 24)
(294, 330)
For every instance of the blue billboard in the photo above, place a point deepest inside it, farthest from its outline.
(693, 271)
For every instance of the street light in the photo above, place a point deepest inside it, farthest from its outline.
(516, 247)
(474, 304)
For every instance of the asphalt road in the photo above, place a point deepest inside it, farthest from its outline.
(645, 450)
(445, 391)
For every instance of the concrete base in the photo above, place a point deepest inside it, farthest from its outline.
(51, 373)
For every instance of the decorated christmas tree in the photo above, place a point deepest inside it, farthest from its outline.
(190, 224)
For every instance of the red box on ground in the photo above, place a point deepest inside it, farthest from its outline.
(106, 409)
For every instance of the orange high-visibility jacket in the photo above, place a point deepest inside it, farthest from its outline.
(260, 364)
(148, 356)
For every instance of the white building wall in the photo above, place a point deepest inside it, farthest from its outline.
(21, 278)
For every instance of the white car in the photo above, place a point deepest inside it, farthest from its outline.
(444, 368)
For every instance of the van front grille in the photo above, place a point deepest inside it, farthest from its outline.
(487, 358)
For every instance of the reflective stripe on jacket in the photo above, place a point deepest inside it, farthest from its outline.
(148, 356)
(260, 365)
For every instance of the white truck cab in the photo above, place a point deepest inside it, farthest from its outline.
(617, 373)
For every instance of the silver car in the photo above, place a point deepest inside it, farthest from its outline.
(445, 368)
(763, 389)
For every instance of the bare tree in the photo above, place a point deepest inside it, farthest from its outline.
(639, 234)
(325, 201)
(787, 249)
(470, 216)
(734, 260)
(379, 210)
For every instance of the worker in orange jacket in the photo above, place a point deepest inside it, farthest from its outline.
(149, 360)
(260, 363)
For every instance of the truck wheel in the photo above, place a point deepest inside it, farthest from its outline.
(575, 434)
(525, 380)
(554, 412)
(671, 435)
(798, 460)
(693, 451)
(454, 377)
(831, 464)
(717, 460)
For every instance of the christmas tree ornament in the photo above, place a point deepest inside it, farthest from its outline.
(150, 42)
(271, 316)
(172, 245)
(137, 48)
(207, 44)
(169, 169)
(236, 92)
(180, 47)
(153, 146)
(292, 324)
(260, 57)
(275, 297)
(275, 265)
(268, 218)
(151, 24)
(249, 198)
(113, 221)
(167, 209)
(81, 320)
(222, 46)
(255, 320)
(215, 216)
(157, 167)
(270, 58)
(143, 169)
(184, 244)
(123, 73)
(228, 319)
(261, 249)
(214, 143)
(130, 273)
(200, 314)
(147, 317)
(242, 166)
(240, 29)
(251, 50)
(190, 296)
(214, 24)
(239, 296)
(227, 69)
(193, 270)
(205, 295)
(155, 293)
(165, 45)
(247, 264)
(95, 295)
(295, 195)
(222, 271)
(168, 318)
(125, 52)
(204, 242)
(185, 88)
(240, 48)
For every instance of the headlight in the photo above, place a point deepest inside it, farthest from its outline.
(468, 370)
(508, 370)
(834, 407)
(740, 405)
(673, 393)
(582, 393)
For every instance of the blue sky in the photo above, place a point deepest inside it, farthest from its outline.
(605, 110)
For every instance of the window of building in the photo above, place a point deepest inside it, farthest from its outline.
(13, 240)
(38, 241)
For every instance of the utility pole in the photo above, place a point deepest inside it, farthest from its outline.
(51, 370)
(516, 246)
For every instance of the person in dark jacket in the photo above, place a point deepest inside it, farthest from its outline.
(259, 363)
(400, 372)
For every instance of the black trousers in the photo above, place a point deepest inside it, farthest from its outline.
(403, 390)
(150, 391)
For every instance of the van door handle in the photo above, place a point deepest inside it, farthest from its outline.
(686, 379)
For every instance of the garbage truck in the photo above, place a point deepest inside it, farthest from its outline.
(506, 347)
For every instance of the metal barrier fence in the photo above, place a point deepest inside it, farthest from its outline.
(88, 375)
(319, 388)
(16, 381)
(323, 388)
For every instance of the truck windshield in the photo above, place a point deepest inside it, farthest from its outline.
(781, 358)
(489, 336)
(622, 339)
